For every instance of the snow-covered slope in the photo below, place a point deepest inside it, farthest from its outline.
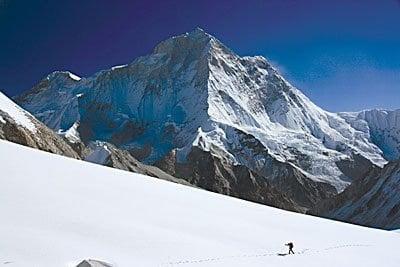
(193, 92)
(50, 217)
(373, 200)
(20, 116)
(18, 126)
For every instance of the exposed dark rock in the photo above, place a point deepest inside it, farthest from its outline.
(356, 168)
(373, 200)
(211, 173)
(43, 139)
(282, 175)
(93, 263)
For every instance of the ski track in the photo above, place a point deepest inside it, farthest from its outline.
(268, 254)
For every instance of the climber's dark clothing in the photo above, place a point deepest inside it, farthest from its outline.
(290, 245)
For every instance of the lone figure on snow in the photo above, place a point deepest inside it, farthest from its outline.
(290, 245)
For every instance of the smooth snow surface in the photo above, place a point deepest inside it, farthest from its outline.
(20, 116)
(57, 211)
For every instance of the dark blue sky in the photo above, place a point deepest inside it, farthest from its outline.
(345, 55)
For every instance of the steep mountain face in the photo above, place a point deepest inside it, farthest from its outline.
(372, 201)
(382, 127)
(206, 169)
(18, 126)
(193, 94)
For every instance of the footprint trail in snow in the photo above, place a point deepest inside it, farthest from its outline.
(267, 254)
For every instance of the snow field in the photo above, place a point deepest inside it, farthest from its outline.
(56, 211)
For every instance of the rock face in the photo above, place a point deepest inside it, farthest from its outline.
(372, 201)
(207, 171)
(274, 185)
(18, 126)
(193, 98)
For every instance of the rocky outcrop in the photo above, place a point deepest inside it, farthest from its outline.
(31, 133)
(44, 139)
(93, 263)
(356, 167)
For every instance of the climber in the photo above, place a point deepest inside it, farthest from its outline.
(290, 245)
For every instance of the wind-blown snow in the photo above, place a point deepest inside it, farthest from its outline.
(56, 211)
(20, 116)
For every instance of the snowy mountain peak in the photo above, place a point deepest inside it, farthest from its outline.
(199, 30)
(196, 42)
(199, 33)
(193, 91)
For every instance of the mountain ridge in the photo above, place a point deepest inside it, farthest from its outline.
(194, 92)
(18, 126)
(371, 201)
